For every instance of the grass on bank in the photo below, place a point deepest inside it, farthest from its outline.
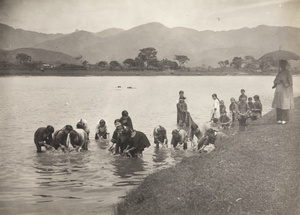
(253, 172)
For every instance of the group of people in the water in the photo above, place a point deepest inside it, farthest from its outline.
(131, 143)
(64, 138)
(125, 139)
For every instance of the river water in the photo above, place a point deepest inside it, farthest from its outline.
(91, 182)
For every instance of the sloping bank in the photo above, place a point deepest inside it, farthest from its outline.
(254, 172)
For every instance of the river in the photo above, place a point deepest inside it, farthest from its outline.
(91, 182)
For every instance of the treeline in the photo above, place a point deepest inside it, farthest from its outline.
(145, 60)
(249, 63)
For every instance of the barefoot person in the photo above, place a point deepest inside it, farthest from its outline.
(43, 137)
(283, 97)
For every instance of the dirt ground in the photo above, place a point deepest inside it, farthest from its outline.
(252, 172)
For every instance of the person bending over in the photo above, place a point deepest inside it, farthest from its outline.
(179, 137)
(137, 142)
(43, 137)
(160, 135)
(60, 137)
(78, 139)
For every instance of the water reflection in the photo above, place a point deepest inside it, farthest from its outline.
(127, 167)
(160, 155)
(96, 176)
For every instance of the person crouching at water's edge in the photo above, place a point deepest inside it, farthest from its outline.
(137, 141)
(43, 137)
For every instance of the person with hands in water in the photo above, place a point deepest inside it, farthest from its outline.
(60, 138)
(160, 136)
(78, 139)
(43, 137)
(137, 141)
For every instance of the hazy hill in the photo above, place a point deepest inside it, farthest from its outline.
(11, 38)
(109, 32)
(205, 47)
(74, 44)
(202, 47)
(45, 56)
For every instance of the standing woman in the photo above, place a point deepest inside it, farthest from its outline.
(283, 97)
(215, 113)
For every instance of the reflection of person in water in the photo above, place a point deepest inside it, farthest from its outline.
(160, 155)
(126, 168)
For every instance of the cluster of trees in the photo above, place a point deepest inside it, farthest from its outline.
(249, 63)
(146, 59)
(24, 61)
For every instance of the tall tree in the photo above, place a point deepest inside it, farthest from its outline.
(182, 59)
(236, 62)
(147, 54)
(23, 58)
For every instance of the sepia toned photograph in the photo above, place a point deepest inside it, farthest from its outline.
(135, 107)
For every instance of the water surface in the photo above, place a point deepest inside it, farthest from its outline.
(90, 182)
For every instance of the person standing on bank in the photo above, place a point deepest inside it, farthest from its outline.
(181, 111)
(215, 112)
(283, 97)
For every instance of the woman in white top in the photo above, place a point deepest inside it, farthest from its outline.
(215, 113)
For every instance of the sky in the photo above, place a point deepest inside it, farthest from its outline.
(66, 16)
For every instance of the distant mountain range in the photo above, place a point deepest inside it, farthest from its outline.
(202, 47)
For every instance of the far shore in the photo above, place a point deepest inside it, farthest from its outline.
(192, 72)
(252, 172)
